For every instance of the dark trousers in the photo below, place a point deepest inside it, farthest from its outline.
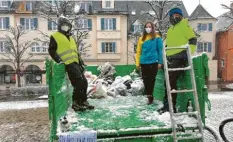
(176, 61)
(78, 81)
(149, 72)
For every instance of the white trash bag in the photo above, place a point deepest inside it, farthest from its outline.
(121, 89)
(100, 90)
(137, 87)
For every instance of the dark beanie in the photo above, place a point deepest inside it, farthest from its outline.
(175, 11)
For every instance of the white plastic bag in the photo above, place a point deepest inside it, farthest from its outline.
(100, 91)
(120, 89)
(137, 87)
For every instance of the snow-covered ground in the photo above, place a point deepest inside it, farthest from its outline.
(230, 86)
(23, 105)
(221, 108)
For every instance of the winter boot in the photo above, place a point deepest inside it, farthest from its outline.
(165, 107)
(78, 107)
(87, 105)
(163, 110)
(150, 99)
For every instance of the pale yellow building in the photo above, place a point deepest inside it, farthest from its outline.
(205, 25)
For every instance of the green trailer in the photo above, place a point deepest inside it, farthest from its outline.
(120, 119)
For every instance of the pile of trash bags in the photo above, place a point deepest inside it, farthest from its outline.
(106, 84)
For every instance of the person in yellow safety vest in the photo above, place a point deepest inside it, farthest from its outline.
(178, 34)
(63, 50)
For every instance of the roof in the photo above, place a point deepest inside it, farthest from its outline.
(224, 21)
(200, 13)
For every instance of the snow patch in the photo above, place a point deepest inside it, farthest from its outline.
(43, 97)
(23, 105)
(230, 86)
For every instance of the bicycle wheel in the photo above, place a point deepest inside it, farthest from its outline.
(210, 135)
(226, 130)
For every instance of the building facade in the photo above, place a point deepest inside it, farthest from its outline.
(224, 50)
(204, 25)
(111, 25)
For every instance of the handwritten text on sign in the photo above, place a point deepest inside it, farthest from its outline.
(82, 136)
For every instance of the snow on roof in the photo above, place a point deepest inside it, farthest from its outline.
(224, 22)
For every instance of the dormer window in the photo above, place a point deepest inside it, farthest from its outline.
(3, 4)
(108, 3)
(28, 6)
(84, 6)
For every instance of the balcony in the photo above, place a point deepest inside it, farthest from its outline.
(116, 34)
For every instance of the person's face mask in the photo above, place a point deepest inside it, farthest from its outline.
(148, 30)
(65, 28)
(175, 19)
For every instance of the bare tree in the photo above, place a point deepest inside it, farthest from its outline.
(159, 14)
(52, 10)
(230, 13)
(134, 37)
(15, 49)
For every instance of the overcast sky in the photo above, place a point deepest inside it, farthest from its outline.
(212, 6)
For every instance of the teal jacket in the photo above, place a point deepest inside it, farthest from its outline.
(149, 51)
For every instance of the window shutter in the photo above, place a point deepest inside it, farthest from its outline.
(49, 25)
(35, 20)
(199, 26)
(114, 23)
(7, 20)
(102, 23)
(22, 21)
(90, 24)
(114, 47)
(103, 47)
(209, 47)
(210, 26)
(132, 28)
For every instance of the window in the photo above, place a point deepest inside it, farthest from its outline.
(84, 6)
(205, 26)
(28, 23)
(108, 47)
(108, 23)
(2, 46)
(138, 28)
(35, 48)
(222, 63)
(85, 24)
(4, 3)
(52, 26)
(45, 46)
(4, 23)
(107, 4)
(204, 47)
(82, 23)
(28, 6)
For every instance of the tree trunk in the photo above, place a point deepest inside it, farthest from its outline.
(18, 74)
(18, 80)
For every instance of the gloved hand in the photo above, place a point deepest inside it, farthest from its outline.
(60, 62)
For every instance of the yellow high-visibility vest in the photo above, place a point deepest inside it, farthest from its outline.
(66, 49)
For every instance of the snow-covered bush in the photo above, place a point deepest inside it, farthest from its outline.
(29, 91)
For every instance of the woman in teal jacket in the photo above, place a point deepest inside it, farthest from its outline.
(149, 57)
